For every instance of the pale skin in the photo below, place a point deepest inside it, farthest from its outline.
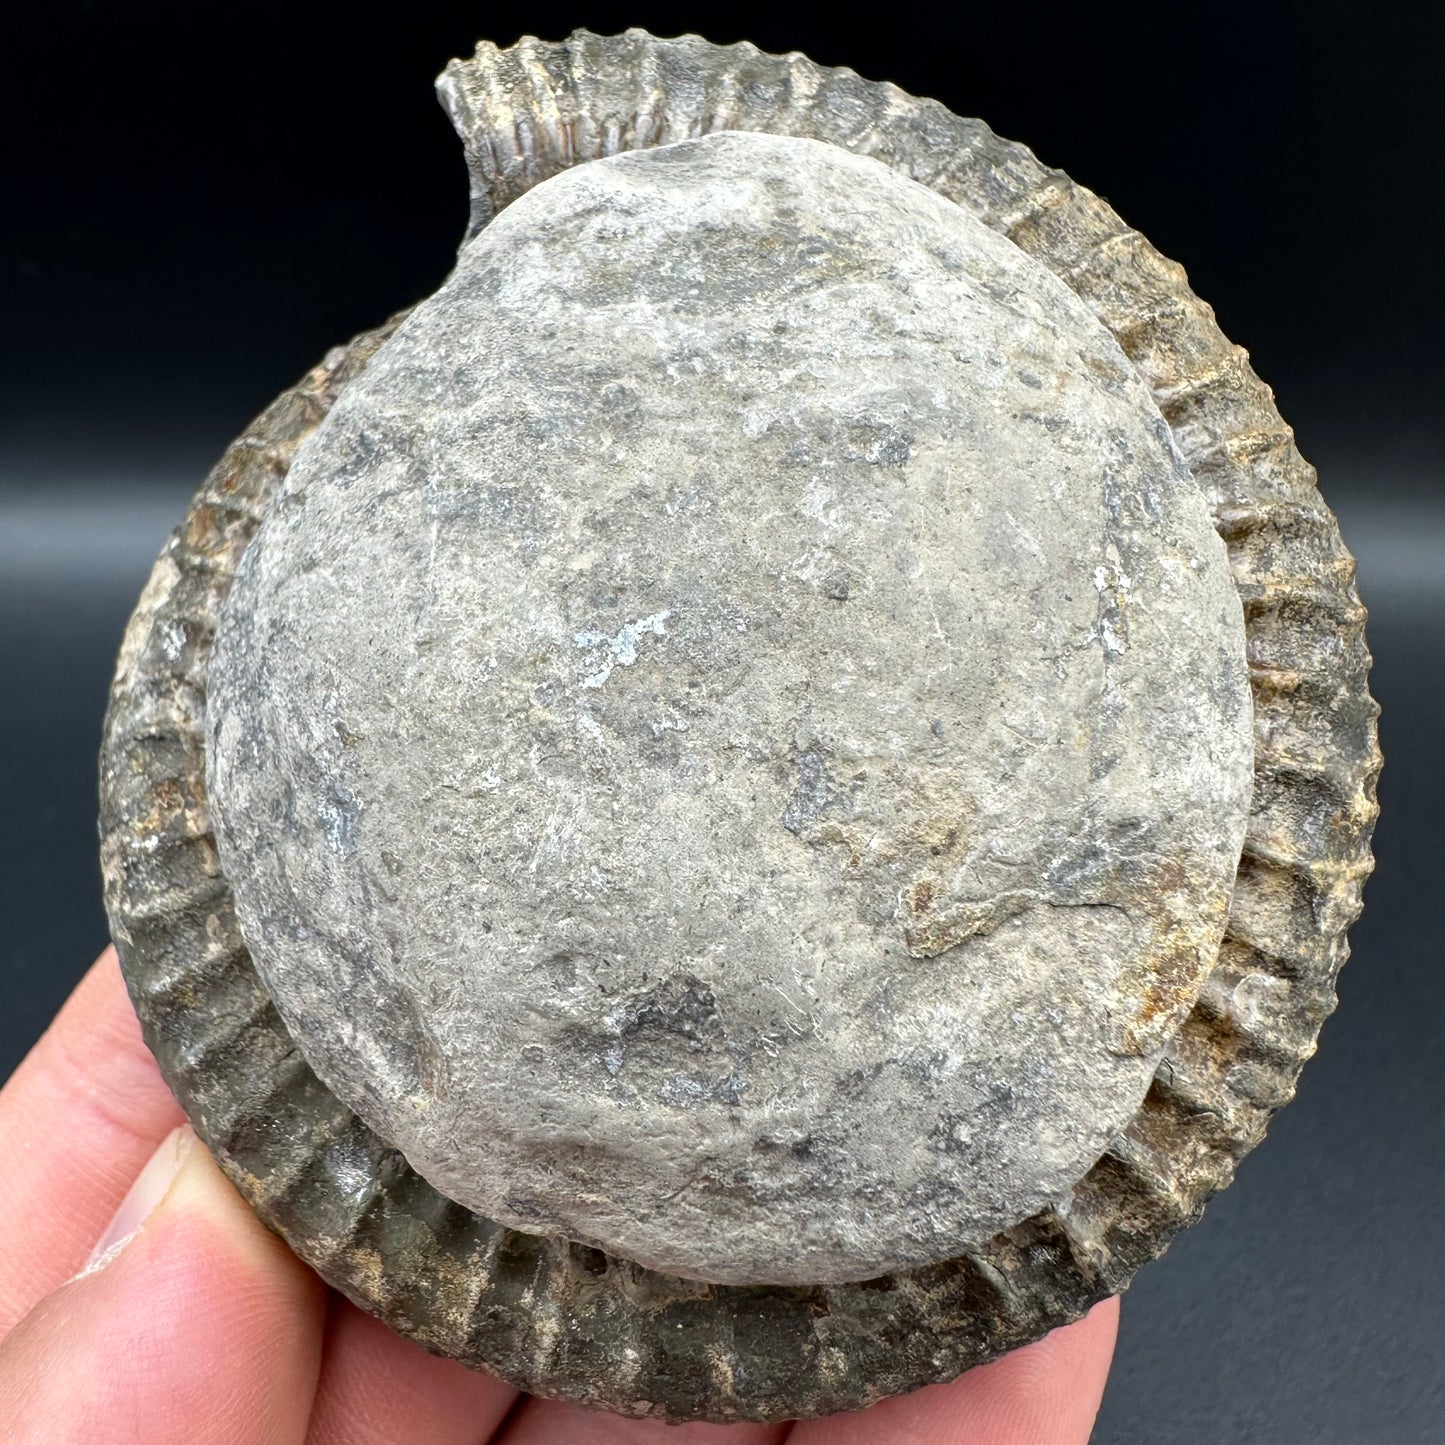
(141, 1301)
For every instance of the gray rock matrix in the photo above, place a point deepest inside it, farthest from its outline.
(733, 743)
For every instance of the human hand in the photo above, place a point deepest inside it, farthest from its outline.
(142, 1301)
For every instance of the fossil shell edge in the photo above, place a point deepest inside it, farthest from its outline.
(567, 1321)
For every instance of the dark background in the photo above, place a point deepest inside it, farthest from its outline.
(199, 200)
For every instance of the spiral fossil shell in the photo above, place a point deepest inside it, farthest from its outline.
(1223, 1041)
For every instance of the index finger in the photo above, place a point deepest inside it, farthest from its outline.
(1046, 1393)
(78, 1120)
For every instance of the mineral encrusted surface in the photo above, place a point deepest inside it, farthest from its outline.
(733, 743)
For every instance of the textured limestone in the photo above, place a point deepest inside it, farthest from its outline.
(732, 744)
(564, 1320)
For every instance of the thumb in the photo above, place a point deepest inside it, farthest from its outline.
(192, 1324)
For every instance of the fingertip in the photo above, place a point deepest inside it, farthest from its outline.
(202, 1212)
(78, 1120)
(377, 1386)
(197, 1324)
(151, 1186)
(94, 1049)
(1103, 1322)
(1047, 1393)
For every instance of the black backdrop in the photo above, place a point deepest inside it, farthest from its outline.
(198, 200)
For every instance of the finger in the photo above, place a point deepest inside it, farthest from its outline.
(546, 1422)
(1047, 1393)
(379, 1389)
(200, 1328)
(78, 1120)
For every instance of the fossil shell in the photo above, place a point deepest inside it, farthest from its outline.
(1148, 1037)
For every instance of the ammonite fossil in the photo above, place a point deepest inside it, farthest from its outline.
(755, 802)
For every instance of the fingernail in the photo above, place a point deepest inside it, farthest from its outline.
(148, 1190)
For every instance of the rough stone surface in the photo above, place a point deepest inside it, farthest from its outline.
(563, 1320)
(733, 743)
